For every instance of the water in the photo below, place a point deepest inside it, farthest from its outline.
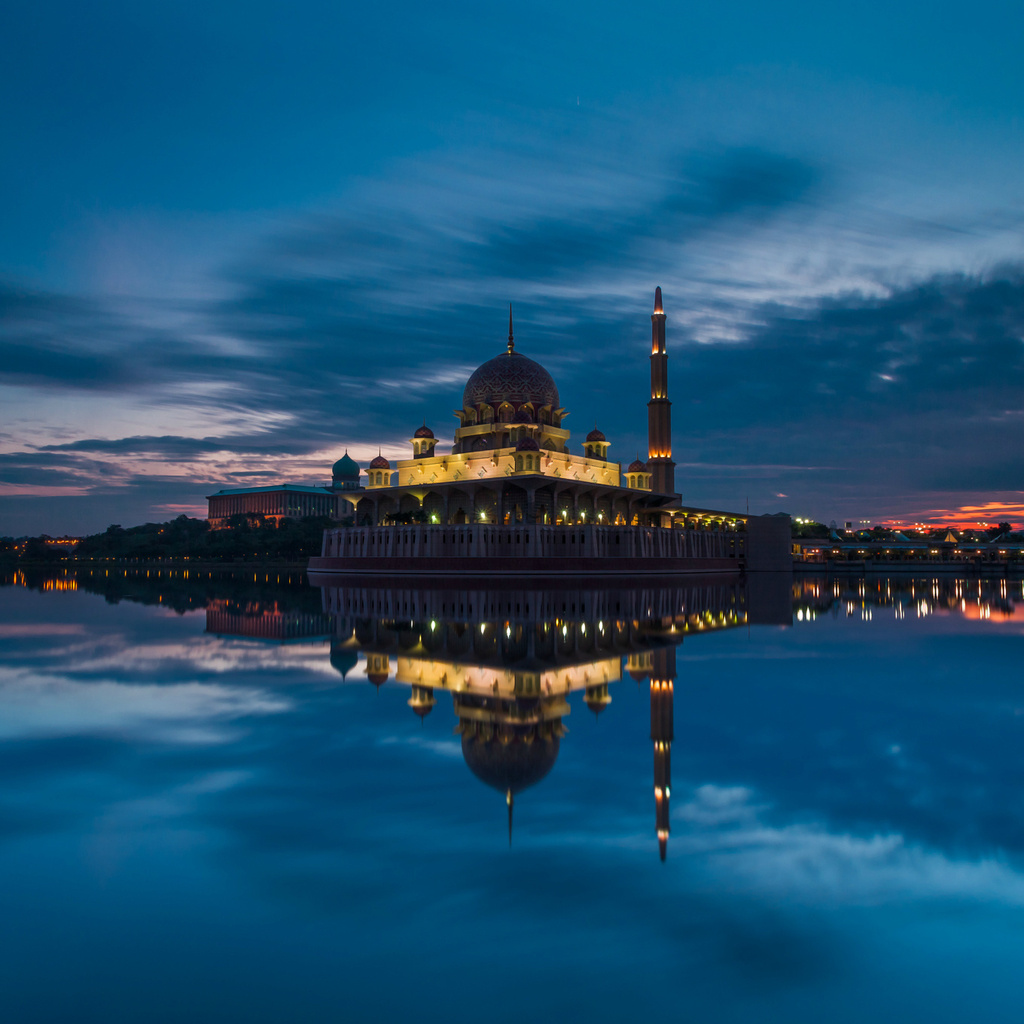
(208, 811)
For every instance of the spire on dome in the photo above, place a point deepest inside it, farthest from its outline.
(511, 343)
(657, 300)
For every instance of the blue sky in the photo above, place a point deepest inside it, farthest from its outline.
(235, 242)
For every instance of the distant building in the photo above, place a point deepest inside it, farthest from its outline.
(274, 503)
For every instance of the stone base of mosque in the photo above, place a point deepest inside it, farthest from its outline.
(536, 550)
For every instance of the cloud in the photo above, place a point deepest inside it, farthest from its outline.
(344, 329)
(810, 863)
(40, 706)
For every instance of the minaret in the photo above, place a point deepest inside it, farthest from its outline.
(662, 675)
(659, 409)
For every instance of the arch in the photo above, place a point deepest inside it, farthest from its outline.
(364, 512)
(514, 504)
(433, 507)
(485, 506)
(460, 506)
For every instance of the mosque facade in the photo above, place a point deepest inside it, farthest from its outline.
(511, 462)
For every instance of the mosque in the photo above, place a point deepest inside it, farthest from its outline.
(510, 466)
(511, 463)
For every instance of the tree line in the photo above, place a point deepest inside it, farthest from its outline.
(245, 538)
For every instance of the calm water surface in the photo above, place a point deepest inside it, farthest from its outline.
(239, 799)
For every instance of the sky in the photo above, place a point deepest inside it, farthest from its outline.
(237, 241)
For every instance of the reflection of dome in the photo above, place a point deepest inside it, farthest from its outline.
(346, 468)
(527, 444)
(597, 698)
(423, 431)
(343, 660)
(377, 676)
(422, 700)
(510, 377)
(634, 467)
(379, 462)
(596, 435)
(510, 767)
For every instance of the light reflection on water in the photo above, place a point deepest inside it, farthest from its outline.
(253, 799)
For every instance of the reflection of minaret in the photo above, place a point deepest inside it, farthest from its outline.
(662, 675)
(659, 409)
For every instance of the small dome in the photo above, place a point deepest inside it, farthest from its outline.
(522, 415)
(423, 431)
(527, 444)
(379, 462)
(634, 467)
(596, 435)
(346, 468)
(377, 676)
(343, 660)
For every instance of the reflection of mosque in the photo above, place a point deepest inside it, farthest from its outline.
(511, 658)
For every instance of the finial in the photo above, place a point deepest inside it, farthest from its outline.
(511, 343)
(657, 300)
(508, 800)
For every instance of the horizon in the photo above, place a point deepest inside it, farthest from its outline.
(239, 247)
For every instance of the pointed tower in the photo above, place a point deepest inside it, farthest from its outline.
(659, 409)
(663, 673)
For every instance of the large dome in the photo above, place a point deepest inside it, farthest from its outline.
(512, 378)
(510, 768)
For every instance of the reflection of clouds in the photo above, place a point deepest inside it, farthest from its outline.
(442, 748)
(116, 655)
(14, 630)
(728, 830)
(34, 705)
